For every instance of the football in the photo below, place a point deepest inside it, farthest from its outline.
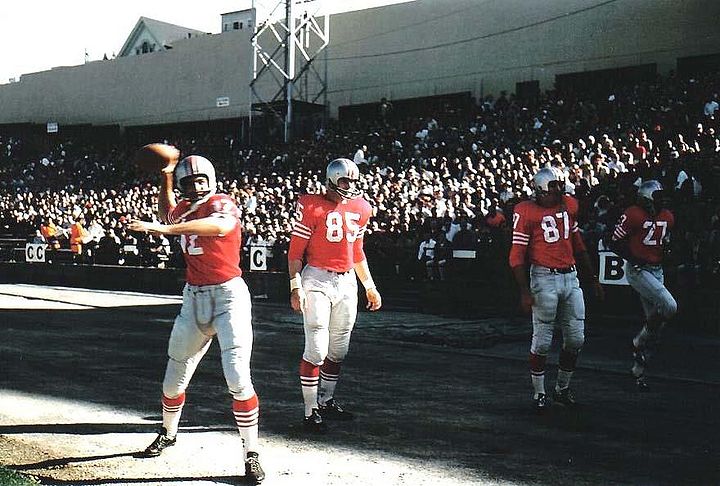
(154, 157)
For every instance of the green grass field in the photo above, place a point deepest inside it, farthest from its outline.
(11, 478)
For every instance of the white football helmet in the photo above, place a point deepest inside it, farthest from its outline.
(546, 181)
(649, 196)
(648, 188)
(194, 165)
(343, 169)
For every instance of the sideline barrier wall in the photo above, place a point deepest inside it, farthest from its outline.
(699, 311)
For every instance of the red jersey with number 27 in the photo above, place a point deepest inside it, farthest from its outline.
(646, 235)
(549, 237)
(329, 234)
(210, 260)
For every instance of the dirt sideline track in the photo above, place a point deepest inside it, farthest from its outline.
(439, 402)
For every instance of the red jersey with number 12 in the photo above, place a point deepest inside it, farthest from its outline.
(646, 235)
(329, 234)
(549, 237)
(210, 260)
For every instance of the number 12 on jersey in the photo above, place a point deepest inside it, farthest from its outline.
(335, 230)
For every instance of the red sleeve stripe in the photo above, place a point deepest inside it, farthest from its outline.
(299, 235)
(298, 224)
(517, 234)
(520, 242)
(302, 229)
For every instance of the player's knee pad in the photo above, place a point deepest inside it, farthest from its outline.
(177, 378)
(314, 356)
(574, 336)
(668, 307)
(236, 368)
(542, 338)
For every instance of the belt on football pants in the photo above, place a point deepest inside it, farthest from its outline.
(336, 273)
(569, 269)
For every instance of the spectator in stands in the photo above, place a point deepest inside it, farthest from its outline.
(78, 237)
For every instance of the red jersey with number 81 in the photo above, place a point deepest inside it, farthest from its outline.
(549, 237)
(329, 234)
(210, 260)
(646, 235)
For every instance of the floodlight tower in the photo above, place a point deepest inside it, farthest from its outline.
(285, 48)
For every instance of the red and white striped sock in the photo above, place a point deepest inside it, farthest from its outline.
(537, 373)
(172, 408)
(309, 378)
(246, 414)
(329, 374)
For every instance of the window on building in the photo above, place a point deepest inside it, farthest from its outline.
(249, 24)
(145, 47)
(226, 27)
(236, 25)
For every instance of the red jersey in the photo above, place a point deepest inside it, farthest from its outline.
(210, 259)
(329, 234)
(547, 236)
(646, 235)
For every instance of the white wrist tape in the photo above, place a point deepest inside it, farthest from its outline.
(368, 284)
(295, 283)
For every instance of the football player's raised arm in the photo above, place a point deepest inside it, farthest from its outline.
(166, 198)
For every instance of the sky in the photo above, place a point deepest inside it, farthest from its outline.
(36, 35)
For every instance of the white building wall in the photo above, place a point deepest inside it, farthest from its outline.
(421, 48)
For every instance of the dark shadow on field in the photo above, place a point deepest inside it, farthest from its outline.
(421, 402)
(56, 463)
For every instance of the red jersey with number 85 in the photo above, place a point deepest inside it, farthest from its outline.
(646, 235)
(329, 234)
(549, 237)
(210, 260)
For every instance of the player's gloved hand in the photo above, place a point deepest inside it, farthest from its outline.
(298, 299)
(373, 298)
(526, 301)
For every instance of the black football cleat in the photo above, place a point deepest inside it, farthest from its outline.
(541, 403)
(161, 442)
(314, 423)
(254, 473)
(564, 397)
(333, 411)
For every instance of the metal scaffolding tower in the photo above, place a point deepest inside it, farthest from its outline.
(285, 50)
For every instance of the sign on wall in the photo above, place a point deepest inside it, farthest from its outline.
(613, 268)
(222, 101)
(52, 127)
(35, 252)
(258, 258)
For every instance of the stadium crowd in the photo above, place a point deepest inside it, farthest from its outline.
(442, 182)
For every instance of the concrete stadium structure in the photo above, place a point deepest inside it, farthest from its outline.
(415, 49)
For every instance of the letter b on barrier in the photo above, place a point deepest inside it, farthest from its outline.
(612, 269)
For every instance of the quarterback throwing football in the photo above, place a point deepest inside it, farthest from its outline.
(216, 301)
(327, 238)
